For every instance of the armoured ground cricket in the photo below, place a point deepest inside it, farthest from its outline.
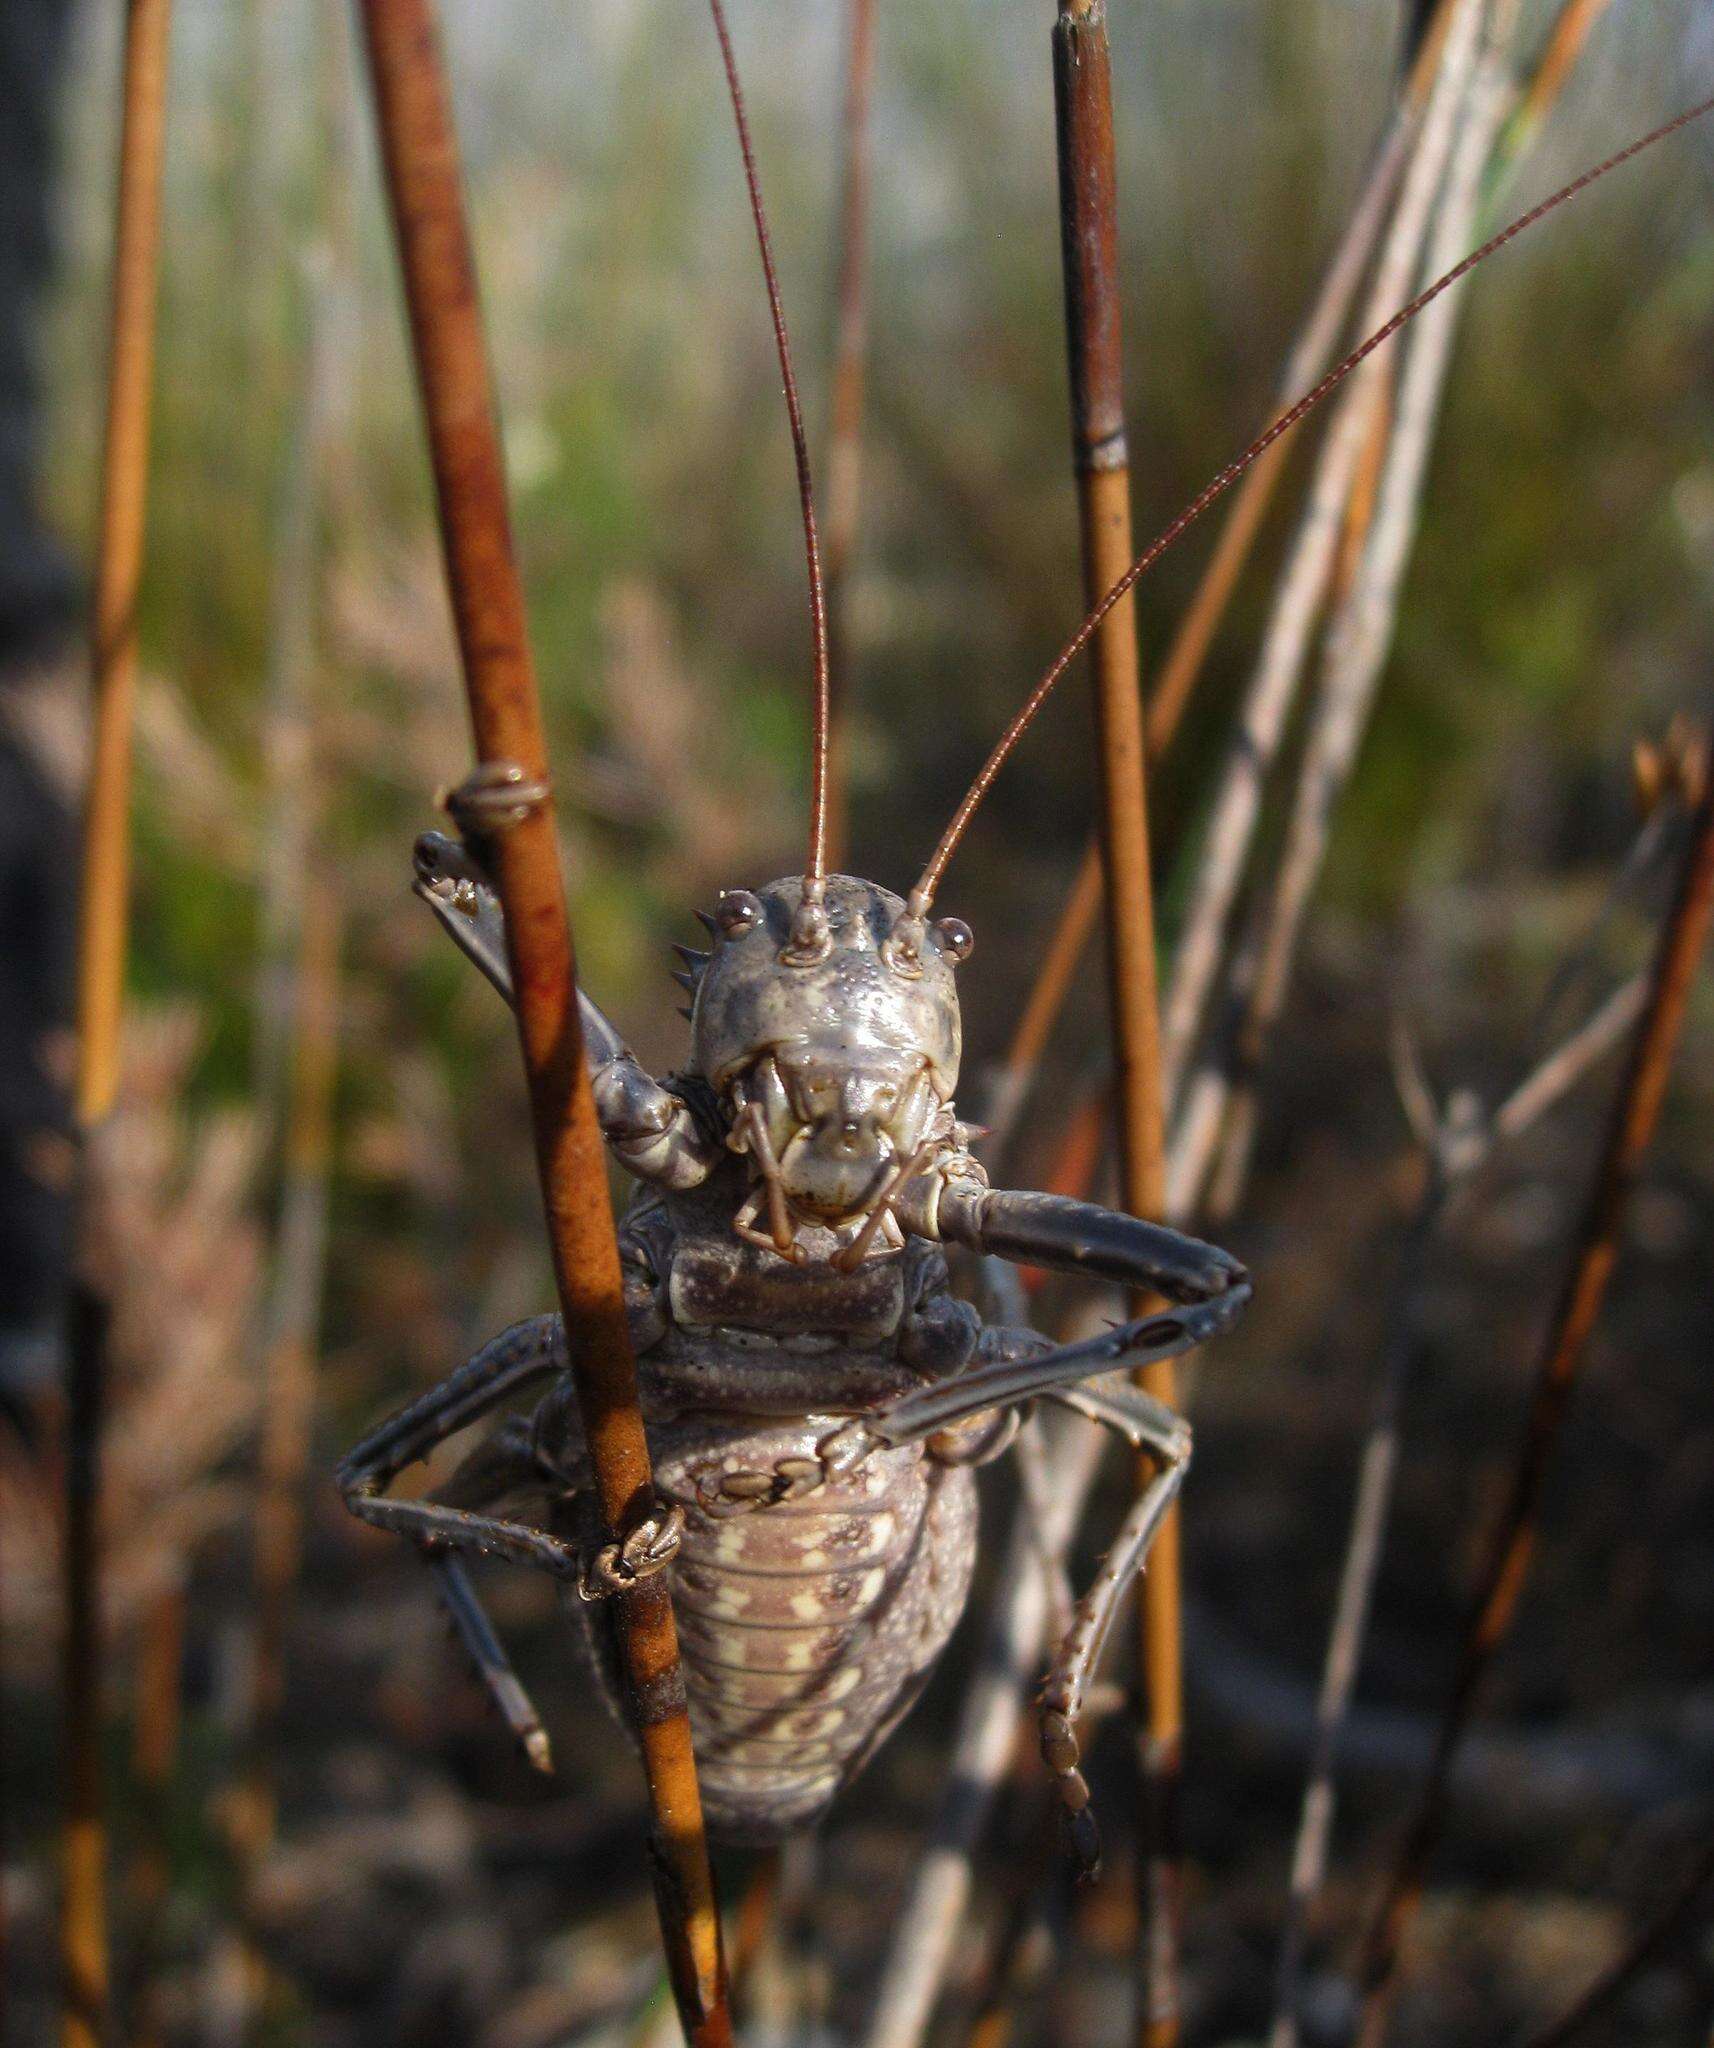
(817, 1395)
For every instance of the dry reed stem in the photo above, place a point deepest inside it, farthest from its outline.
(154, 1761)
(1183, 662)
(1218, 1119)
(297, 1004)
(83, 1937)
(1576, 22)
(1512, 1541)
(1459, 1147)
(1672, 1920)
(917, 1963)
(287, 723)
(845, 412)
(929, 1916)
(1361, 635)
(1089, 240)
(420, 155)
(292, 1324)
(1302, 590)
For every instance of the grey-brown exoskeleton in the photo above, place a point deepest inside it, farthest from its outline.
(816, 1395)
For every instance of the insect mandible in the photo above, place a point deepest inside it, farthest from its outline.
(816, 1396)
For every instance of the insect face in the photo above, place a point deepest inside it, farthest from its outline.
(832, 1053)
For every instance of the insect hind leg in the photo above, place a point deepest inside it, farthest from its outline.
(1078, 1655)
(488, 1657)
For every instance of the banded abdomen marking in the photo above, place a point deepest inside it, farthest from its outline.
(806, 1628)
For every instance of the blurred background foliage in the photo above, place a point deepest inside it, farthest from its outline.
(1557, 608)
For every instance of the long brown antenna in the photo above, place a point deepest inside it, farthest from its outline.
(929, 881)
(817, 863)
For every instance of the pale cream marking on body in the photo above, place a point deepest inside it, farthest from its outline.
(845, 1680)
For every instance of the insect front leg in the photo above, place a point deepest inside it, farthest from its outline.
(650, 1130)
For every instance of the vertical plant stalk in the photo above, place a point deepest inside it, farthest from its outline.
(293, 1321)
(154, 1759)
(1511, 1544)
(420, 155)
(933, 1907)
(1182, 665)
(1675, 1918)
(1362, 633)
(1457, 1148)
(1089, 234)
(100, 996)
(845, 427)
(1303, 587)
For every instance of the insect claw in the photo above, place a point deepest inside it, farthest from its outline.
(685, 981)
(692, 959)
(686, 1012)
(706, 919)
(539, 1751)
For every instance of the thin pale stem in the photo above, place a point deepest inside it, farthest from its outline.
(420, 155)
(932, 1910)
(1458, 1154)
(928, 882)
(1185, 657)
(1302, 590)
(100, 994)
(288, 1380)
(1676, 1918)
(1361, 636)
(1511, 1543)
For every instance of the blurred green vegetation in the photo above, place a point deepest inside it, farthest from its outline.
(1556, 608)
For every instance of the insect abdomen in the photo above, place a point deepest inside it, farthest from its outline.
(807, 1628)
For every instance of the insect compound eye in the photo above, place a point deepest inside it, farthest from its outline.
(955, 936)
(737, 912)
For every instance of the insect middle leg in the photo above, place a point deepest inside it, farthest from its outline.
(1147, 1424)
(518, 1357)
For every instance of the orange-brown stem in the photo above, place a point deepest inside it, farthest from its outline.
(1512, 1542)
(154, 1759)
(1083, 93)
(420, 156)
(100, 993)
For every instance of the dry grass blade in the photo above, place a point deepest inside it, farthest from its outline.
(845, 425)
(1673, 1920)
(154, 1762)
(933, 1908)
(1303, 588)
(293, 1320)
(1089, 242)
(1512, 1542)
(419, 151)
(1182, 665)
(1361, 634)
(100, 991)
(1458, 1149)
